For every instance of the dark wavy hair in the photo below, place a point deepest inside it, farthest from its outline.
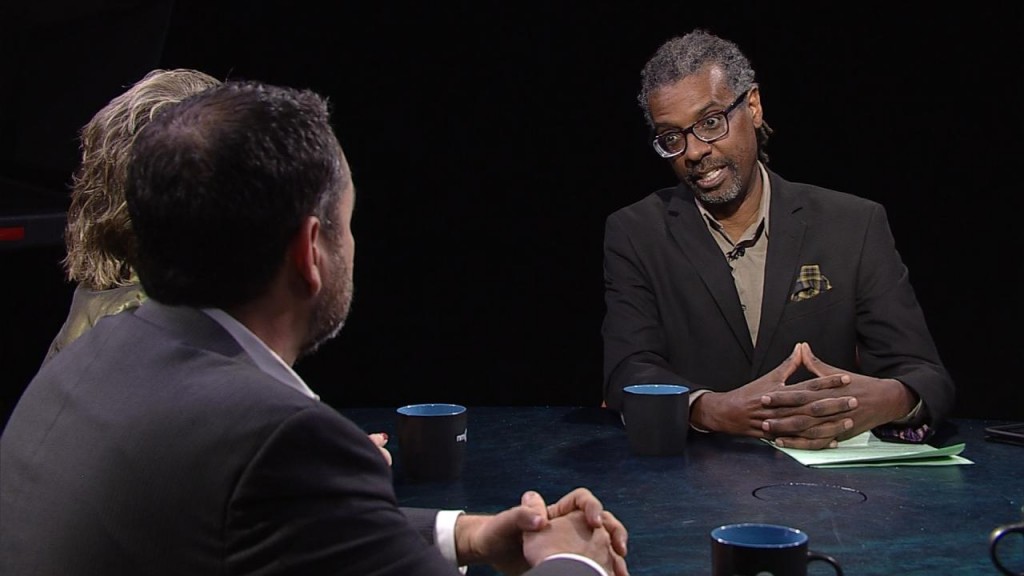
(686, 55)
(219, 184)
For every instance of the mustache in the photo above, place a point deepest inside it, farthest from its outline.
(708, 165)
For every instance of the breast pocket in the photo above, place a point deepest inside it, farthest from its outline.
(819, 304)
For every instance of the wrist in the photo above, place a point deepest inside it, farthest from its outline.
(906, 399)
(701, 411)
(466, 551)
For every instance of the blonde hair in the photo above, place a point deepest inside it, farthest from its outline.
(99, 239)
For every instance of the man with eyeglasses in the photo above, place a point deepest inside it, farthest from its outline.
(784, 307)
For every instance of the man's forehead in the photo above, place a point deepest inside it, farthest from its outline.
(709, 85)
(691, 97)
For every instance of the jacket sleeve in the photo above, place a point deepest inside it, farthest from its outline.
(635, 348)
(317, 498)
(893, 336)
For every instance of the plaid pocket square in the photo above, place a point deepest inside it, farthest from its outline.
(810, 283)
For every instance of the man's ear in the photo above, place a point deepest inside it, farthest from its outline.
(306, 256)
(754, 102)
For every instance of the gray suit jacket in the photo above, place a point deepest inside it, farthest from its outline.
(673, 314)
(154, 445)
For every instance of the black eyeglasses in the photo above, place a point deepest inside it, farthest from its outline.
(708, 129)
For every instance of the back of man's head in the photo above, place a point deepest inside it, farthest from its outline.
(219, 184)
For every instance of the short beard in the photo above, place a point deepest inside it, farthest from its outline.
(721, 196)
(329, 315)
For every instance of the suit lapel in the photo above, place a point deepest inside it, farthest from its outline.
(786, 234)
(689, 230)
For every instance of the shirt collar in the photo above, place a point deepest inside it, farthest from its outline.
(266, 359)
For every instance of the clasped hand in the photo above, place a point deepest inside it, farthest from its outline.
(521, 537)
(813, 414)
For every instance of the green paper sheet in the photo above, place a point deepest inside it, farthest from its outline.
(866, 450)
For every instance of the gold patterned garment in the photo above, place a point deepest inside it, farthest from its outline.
(88, 306)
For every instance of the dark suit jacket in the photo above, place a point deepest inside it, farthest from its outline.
(673, 314)
(154, 445)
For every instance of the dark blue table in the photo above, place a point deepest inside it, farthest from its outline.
(875, 521)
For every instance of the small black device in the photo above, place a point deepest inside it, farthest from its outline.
(1011, 433)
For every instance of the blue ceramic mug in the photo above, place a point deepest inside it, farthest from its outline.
(994, 541)
(657, 418)
(753, 549)
(431, 441)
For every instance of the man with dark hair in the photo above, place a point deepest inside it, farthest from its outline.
(737, 282)
(175, 438)
(99, 236)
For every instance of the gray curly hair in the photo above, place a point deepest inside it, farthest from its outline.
(686, 55)
(99, 239)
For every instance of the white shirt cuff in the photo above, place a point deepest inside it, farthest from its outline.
(693, 398)
(444, 535)
(597, 567)
(444, 538)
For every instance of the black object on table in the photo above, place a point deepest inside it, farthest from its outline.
(904, 520)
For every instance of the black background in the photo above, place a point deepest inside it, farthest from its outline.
(489, 140)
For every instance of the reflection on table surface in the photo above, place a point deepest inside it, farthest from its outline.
(900, 520)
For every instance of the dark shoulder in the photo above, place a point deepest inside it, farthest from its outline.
(193, 369)
(653, 205)
(819, 199)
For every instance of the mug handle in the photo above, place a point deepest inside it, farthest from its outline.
(993, 546)
(817, 556)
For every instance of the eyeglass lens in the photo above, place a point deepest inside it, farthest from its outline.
(709, 129)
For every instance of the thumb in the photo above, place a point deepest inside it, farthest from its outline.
(787, 367)
(534, 511)
(815, 364)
